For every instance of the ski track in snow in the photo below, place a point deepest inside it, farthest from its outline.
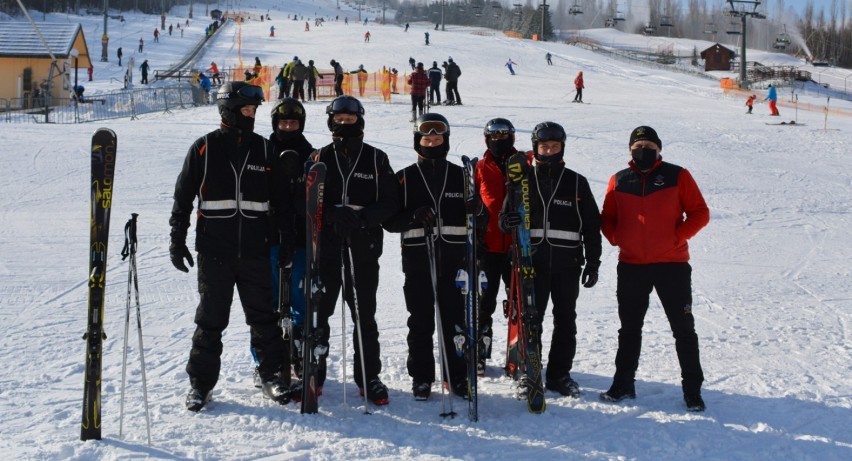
(771, 273)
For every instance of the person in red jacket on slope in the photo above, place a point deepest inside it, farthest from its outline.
(650, 210)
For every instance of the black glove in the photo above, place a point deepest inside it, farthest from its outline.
(509, 220)
(590, 275)
(473, 205)
(423, 216)
(178, 252)
(291, 168)
(343, 219)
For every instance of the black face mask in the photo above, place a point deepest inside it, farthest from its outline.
(501, 148)
(245, 123)
(644, 158)
(550, 159)
(286, 136)
(348, 130)
(433, 152)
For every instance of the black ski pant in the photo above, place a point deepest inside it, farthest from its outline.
(673, 282)
(338, 85)
(495, 266)
(217, 276)
(435, 94)
(365, 285)
(563, 285)
(288, 84)
(312, 90)
(299, 90)
(579, 95)
(417, 105)
(420, 302)
(453, 92)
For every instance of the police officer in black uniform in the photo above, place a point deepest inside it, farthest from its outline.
(431, 192)
(564, 221)
(287, 251)
(360, 193)
(238, 184)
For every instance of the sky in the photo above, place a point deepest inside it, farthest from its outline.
(771, 291)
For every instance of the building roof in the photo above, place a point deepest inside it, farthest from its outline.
(19, 39)
(717, 47)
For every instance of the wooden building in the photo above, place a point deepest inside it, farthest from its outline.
(26, 59)
(717, 57)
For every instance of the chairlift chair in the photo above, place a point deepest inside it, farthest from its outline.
(666, 21)
(710, 28)
(619, 16)
(649, 29)
(575, 9)
(734, 29)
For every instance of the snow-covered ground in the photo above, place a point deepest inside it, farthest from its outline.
(771, 273)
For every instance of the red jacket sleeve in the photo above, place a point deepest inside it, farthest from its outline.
(694, 206)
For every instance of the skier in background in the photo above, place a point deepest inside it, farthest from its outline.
(548, 57)
(772, 97)
(452, 75)
(338, 77)
(509, 65)
(435, 76)
(578, 86)
(419, 82)
(750, 102)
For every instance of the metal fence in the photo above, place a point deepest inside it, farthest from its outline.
(118, 104)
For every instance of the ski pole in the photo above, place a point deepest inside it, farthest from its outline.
(343, 325)
(130, 243)
(442, 352)
(348, 249)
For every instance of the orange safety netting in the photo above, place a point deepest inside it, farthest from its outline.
(360, 85)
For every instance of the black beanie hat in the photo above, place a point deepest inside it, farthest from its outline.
(645, 133)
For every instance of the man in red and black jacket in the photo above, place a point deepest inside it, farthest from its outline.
(419, 83)
(495, 260)
(650, 210)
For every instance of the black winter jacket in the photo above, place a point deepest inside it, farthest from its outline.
(238, 186)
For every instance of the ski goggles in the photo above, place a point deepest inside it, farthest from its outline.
(289, 109)
(431, 127)
(499, 128)
(550, 134)
(345, 105)
(251, 92)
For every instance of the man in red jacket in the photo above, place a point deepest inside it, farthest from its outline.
(419, 82)
(650, 210)
(495, 260)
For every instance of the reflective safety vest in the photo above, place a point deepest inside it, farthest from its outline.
(228, 189)
(448, 203)
(555, 217)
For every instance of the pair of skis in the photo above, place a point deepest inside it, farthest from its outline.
(523, 344)
(311, 335)
(467, 341)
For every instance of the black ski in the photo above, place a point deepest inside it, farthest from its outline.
(314, 187)
(523, 271)
(103, 173)
(286, 320)
(471, 281)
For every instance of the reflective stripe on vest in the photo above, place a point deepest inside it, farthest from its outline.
(216, 205)
(443, 230)
(556, 234)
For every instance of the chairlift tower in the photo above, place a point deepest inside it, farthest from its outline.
(743, 9)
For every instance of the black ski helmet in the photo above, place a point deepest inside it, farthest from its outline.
(345, 105)
(548, 131)
(498, 125)
(423, 127)
(233, 95)
(288, 109)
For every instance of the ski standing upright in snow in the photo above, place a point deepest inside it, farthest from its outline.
(467, 342)
(314, 188)
(103, 172)
(522, 291)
